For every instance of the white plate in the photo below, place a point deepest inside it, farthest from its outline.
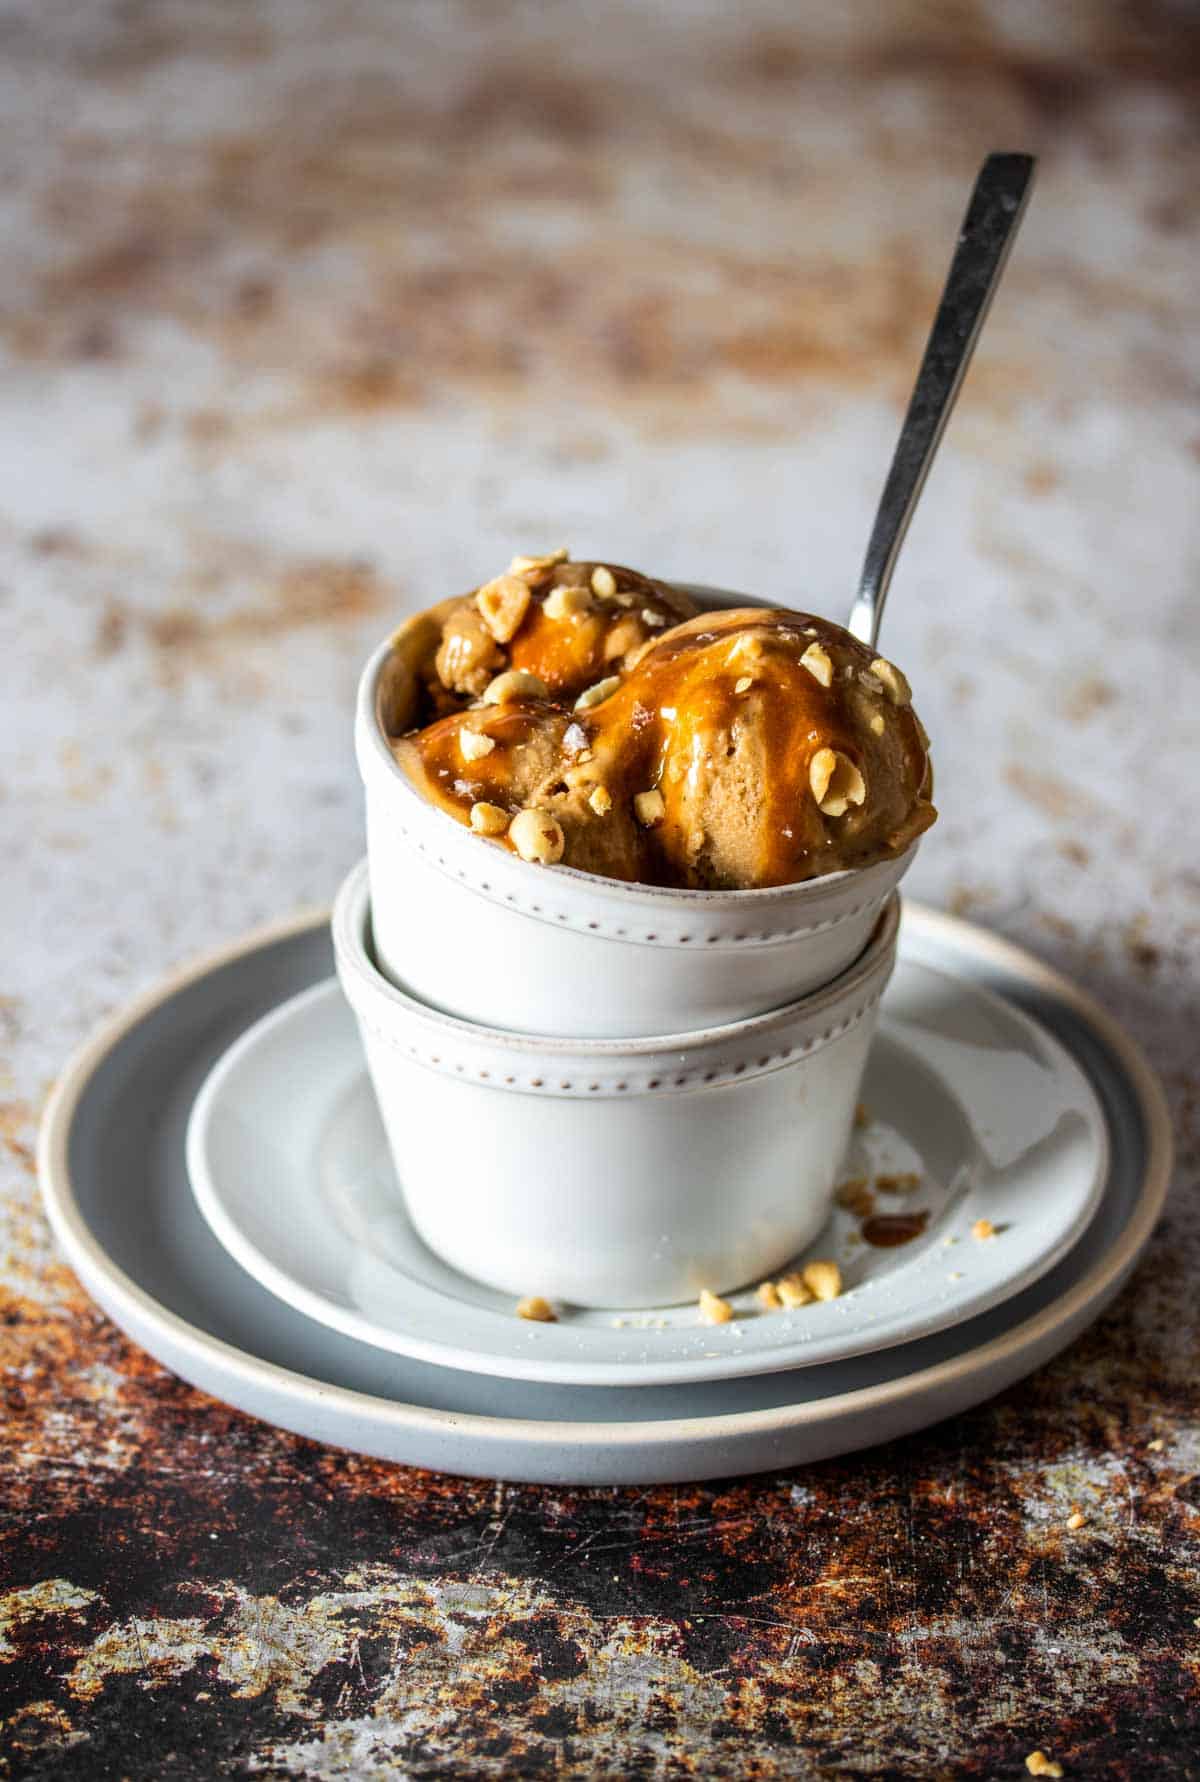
(111, 1159)
(290, 1168)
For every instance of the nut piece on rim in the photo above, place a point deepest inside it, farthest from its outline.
(537, 836)
(514, 683)
(818, 662)
(649, 808)
(502, 606)
(895, 682)
(835, 782)
(593, 695)
(488, 819)
(604, 582)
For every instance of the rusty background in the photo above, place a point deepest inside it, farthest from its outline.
(311, 314)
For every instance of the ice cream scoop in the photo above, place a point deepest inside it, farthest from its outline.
(565, 624)
(771, 747)
(742, 749)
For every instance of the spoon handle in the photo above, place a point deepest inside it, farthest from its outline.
(993, 216)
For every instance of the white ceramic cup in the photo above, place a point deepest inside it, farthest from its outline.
(615, 1173)
(469, 927)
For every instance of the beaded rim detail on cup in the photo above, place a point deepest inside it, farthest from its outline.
(584, 1068)
(601, 1087)
(652, 937)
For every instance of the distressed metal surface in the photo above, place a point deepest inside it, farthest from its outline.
(311, 314)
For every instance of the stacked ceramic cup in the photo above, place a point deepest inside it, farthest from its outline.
(603, 1093)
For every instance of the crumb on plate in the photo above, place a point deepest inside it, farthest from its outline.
(537, 1310)
(793, 1292)
(823, 1279)
(714, 1309)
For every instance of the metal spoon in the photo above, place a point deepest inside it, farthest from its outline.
(989, 227)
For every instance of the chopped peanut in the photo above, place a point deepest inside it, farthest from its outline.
(713, 1309)
(793, 1292)
(649, 808)
(767, 1295)
(983, 1229)
(819, 664)
(895, 684)
(488, 819)
(537, 836)
(536, 567)
(600, 799)
(565, 603)
(537, 1310)
(823, 1279)
(747, 648)
(624, 638)
(1038, 1764)
(835, 782)
(473, 747)
(595, 694)
(502, 605)
(514, 683)
(604, 582)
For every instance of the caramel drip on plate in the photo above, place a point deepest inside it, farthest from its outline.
(887, 1231)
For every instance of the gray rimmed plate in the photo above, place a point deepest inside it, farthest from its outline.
(118, 1118)
(975, 1110)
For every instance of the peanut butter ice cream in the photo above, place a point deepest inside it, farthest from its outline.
(566, 624)
(727, 750)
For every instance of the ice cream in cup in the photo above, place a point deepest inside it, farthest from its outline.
(598, 805)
